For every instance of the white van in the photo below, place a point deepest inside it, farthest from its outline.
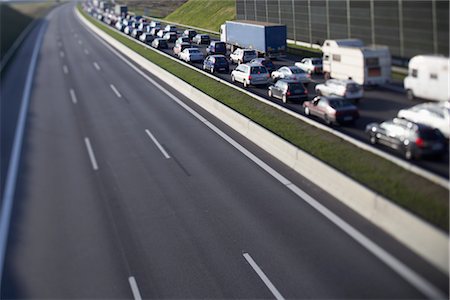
(428, 78)
(350, 59)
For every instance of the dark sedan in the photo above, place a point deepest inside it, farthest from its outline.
(413, 140)
(216, 63)
(288, 90)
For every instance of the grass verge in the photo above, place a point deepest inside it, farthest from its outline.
(14, 18)
(408, 190)
(204, 14)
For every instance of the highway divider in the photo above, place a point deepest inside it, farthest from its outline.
(423, 238)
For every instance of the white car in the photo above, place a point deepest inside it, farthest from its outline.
(291, 72)
(171, 28)
(347, 89)
(436, 115)
(161, 33)
(191, 54)
(240, 56)
(310, 65)
(128, 29)
(250, 74)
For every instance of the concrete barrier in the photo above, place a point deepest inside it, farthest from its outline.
(421, 237)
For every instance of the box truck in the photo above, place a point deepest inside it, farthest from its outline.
(121, 10)
(428, 78)
(350, 59)
(267, 39)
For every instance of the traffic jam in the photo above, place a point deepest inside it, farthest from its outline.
(348, 87)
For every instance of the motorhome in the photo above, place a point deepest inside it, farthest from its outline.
(428, 78)
(350, 59)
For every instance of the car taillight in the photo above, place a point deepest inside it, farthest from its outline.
(288, 93)
(420, 143)
(268, 76)
(338, 113)
(250, 77)
(306, 91)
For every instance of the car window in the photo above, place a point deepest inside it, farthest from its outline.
(297, 71)
(335, 103)
(279, 84)
(221, 59)
(323, 102)
(296, 86)
(258, 70)
(249, 52)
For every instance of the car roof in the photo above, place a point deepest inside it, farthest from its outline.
(289, 81)
(217, 55)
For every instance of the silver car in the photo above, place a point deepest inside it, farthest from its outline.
(191, 54)
(250, 74)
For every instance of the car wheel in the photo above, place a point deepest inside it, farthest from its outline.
(233, 79)
(327, 119)
(410, 95)
(284, 98)
(211, 70)
(245, 83)
(270, 93)
(373, 139)
(307, 111)
(204, 68)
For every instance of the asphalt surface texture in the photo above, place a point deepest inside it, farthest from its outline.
(122, 191)
(378, 105)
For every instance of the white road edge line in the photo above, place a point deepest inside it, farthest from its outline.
(73, 96)
(134, 288)
(97, 66)
(115, 91)
(61, 53)
(161, 148)
(415, 279)
(65, 69)
(14, 162)
(91, 154)
(263, 277)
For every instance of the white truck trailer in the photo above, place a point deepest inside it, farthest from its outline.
(350, 59)
(428, 78)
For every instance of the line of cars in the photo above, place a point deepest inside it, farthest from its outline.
(335, 101)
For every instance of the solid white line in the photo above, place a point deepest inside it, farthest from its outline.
(163, 151)
(73, 96)
(115, 91)
(263, 277)
(13, 167)
(86, 51)
(61, 53)
(134, 288)
(91, 154)
(97, 66)
(401, 269)
(65, 69)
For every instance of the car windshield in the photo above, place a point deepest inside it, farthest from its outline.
(258, 70)
(221, 60)
(194, 51)
(296, 86)
(339, 103)
(352, 87)
(297, 71)
(268, 63)
(316, 62)
(220, 46)
(430, 134)
(249, 53)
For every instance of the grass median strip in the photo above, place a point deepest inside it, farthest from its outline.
(408, 190)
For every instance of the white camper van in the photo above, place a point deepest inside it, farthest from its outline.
(350, 59)
(428, 78)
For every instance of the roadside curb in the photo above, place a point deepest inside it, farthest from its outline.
(421, 237)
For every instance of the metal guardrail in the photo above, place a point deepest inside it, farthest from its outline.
(441, 181)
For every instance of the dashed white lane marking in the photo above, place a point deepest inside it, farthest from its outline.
(134, 288)
(61, 53)
(115, 91)
(91, 154)
(73, 96)
(65, 69)
(161, 148)
(263, 277)
(86, 51)
(96, 65)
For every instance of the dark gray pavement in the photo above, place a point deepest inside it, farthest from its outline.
(178, 225)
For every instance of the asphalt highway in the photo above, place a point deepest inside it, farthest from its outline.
(123, 193)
